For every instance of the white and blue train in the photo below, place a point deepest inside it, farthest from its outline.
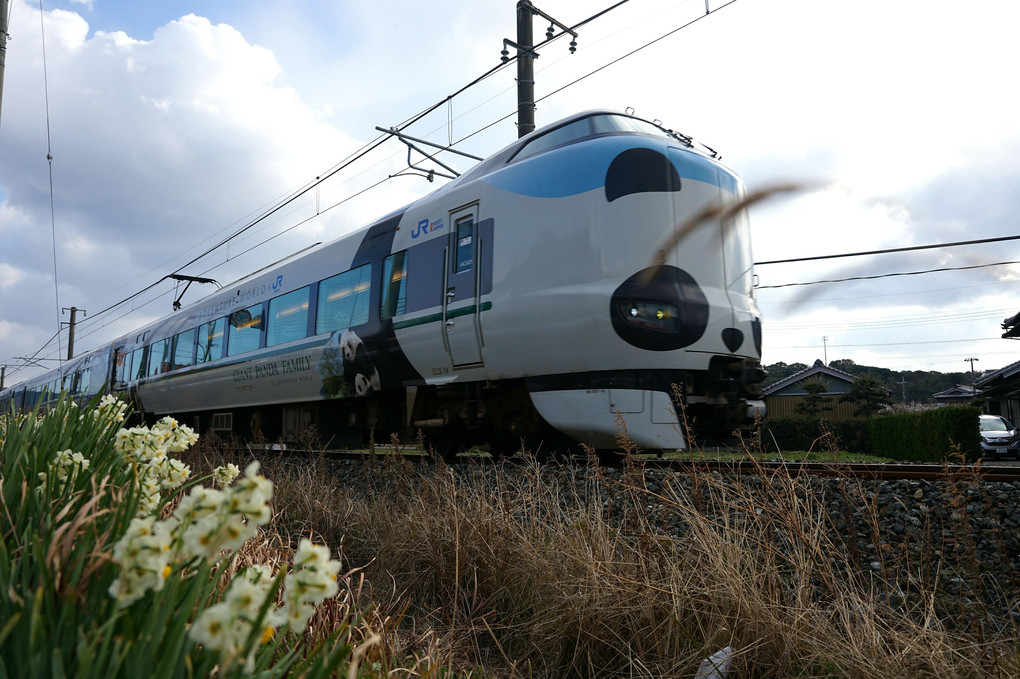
(515, 302)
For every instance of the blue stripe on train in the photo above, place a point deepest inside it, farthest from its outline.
(581, 167)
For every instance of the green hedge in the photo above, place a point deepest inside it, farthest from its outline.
(927, 436)
(807, 433)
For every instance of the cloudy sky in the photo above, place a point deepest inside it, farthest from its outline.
(172, 124)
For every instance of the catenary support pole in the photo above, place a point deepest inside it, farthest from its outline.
(525, 69)
(70, 330)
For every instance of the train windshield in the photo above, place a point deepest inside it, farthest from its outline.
(605, 124)
(588, 127)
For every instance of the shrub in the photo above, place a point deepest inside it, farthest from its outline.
(927, 436)
(788, 433)
(811, 434)
(917, 436)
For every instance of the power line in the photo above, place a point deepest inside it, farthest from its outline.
(888, 344)
(905, 293)
(890, 250)
(363, 151)
(883, 324)
(886, 275)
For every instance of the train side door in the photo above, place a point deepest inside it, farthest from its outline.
(461, 329)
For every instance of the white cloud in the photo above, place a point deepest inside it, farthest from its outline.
(10, 276)
(13, 220)
(8, 330)
(157, 145)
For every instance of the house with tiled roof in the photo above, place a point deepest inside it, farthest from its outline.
(1001, 391)
(961, 394)
(781, 399)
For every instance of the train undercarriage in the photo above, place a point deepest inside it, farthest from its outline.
(498, 416)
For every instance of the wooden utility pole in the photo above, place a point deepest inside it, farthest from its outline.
(972, 376)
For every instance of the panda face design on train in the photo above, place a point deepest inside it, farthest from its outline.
(346, 368)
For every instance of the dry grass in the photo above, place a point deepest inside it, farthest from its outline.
(534, 572)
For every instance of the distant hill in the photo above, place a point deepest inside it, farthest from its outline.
(907, 385)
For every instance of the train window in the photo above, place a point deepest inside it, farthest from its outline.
(210, 341)
(245, 330)
(343, 300)
(578, 129)
(121, 365)
(465, 244)
(84, 381)
(184, 349)
(394, 291)
(288, 317)
(137, 364)
(159, 357)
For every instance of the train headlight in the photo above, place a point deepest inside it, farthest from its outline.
(658, 316)
(659, 309)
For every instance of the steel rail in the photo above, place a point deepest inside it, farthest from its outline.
(860, 470)
(746, 467)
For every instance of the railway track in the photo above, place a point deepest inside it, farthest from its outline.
(861, 470)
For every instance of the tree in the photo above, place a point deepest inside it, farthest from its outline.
(845, 365)
(780, 371)
(814, 400)
(868, 394)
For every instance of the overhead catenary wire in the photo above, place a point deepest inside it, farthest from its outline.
(360, 153)
(320, 179)
(49, 161)
(707, 13)
(600, 68)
